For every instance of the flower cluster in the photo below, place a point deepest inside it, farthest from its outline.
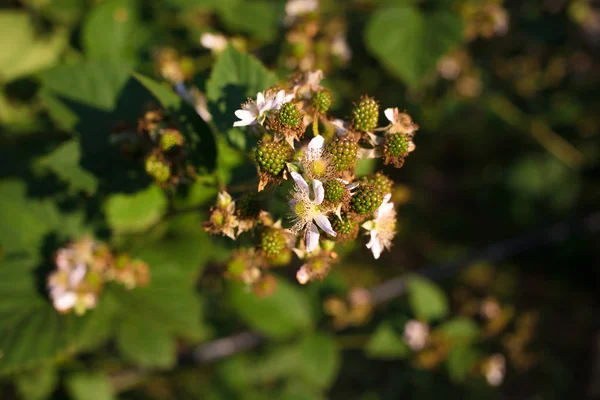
(159, 141)
(327, 202)
(82, 269)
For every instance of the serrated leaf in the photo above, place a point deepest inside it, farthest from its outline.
(410, 42)
(90, 386)
(136, 212)
(22, 51)
(319, 360)
(426, 299)
(64, 162)
(114, 31)
(235, 77)
(386, 343)
(279, 315)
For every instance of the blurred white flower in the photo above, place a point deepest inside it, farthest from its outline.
(297, 8)
(495, 369)
(415, 334)
(213, 41)
(382, 228)
(307, 212)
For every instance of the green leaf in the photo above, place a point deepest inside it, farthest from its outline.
(145, 343)
(410, 42)
(93, 83)
(460, 330)
(460, 362)
(163, 93)
(37, 384)
(426, 299)
(64, 162)
(258, 18)
(23, 52)
(319, 360)
(235, 77)
(386, 343)
(90, 386)
(279, 315)
(114, 31)
(136, 212)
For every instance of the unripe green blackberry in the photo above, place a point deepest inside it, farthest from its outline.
(170, 139)
(157, 168)
(380, 181)
(281, 259)
(248, 206)
(396, 145)
(289, 115)
(366, 114)
(346, 228)
(273, 242)
(272, 156)
(321, 101)
(334, 190)
(343, 150)
(366, 199)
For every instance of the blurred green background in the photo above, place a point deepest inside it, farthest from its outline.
(506, 96)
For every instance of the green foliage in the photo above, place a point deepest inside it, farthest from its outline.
(90, 386)
(281, 315)
(386, 343)
(409, 42)
(426, 299)
(135, 213)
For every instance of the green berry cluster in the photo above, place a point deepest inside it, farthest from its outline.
(289, 115)
(380, 181)
(248, 206)
(396, 145)
(365, 115)
(343, 150)
(321, 101)
(334, 190)
(272, 156)
(345, 226)
(157, 168)
(273, 242)
(170, 139)
(366, 199)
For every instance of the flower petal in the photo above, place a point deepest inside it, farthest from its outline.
(77, 275)
(245, 122)
(302, 185)
(65, 301)
(260, 100)
(311, 238)
(389, 114)
(374, 245)
(316, 143)
(245, 114)
(324, 224)
(319, 191)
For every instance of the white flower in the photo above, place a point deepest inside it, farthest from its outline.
(65, 285)
(315, 162)
(495, 369)
(295, 8)
(382, 228)
(415, 334)
(307, 212)
(213, 41)
(340, 48)
(254, 112)
(302, 275)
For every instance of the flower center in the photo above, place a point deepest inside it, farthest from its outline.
(306, 210)
(319, 167)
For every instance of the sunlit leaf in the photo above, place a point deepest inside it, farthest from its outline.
(426, 299)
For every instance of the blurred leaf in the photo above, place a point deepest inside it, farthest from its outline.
(279, 315)
(460, 330)
(163, 93)
(22, 52)
(90, 386)
(136, 212)
(235, 77)
(410, 42)
(64, 162)
(37, 384)
(426, 299)
(460, 362)
(94, 83)
(114, 31)
(319, 360)
(146, 343)
(258, 18)
(386, 343)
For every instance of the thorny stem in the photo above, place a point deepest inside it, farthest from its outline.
(502, 250)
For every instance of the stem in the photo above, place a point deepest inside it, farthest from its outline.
(315, 125)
